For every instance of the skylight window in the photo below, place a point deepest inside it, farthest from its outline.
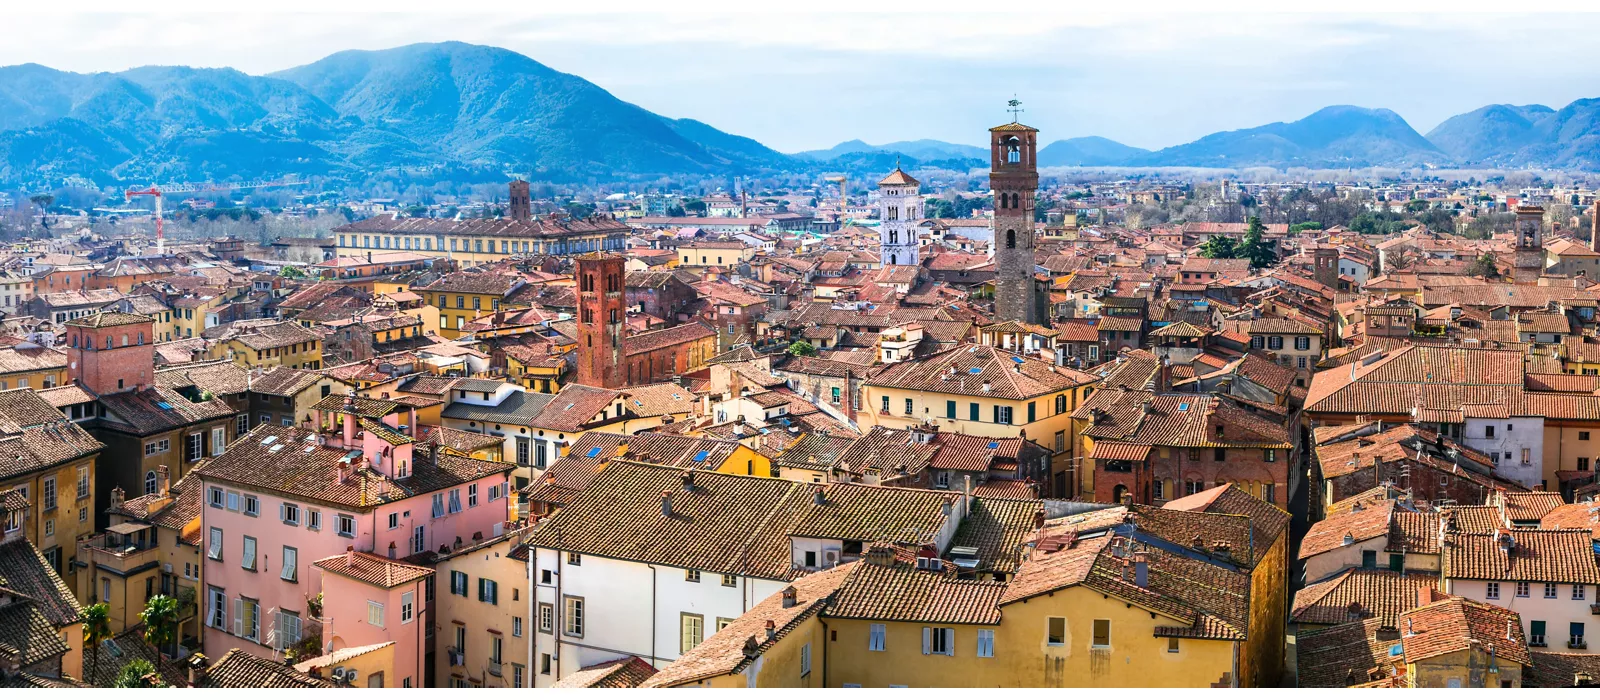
(164, 405)
(994, 445)
(1017, 360)
(701, 455)
(270, 439)
(594, 452)
(975, 370)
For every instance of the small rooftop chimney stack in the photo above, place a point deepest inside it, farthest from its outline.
(666, 504)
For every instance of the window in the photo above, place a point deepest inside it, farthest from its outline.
(1583, 435)
(1056, 634)
(973, 412)
(805, 660)
(419, 540)
(1536, 629)
(252, 505)
(691, 575)
(488, 591)
(1220, 454)
(407, 601)
(1172, 645)
(218, 616)
(723, 622)
(574, 559)
(291, 563)
(516, 626)
(394, 520)
(1575, 629)
(1583, 464)
(544, 664)
(949, 408)
(194, 446)
(455, 500)
(1522, 589)
(1157, 491)
(730, 580)
(214, 549)
(289, 513)
(1102, 633)
(547, 617)
(247, 623)
(574, 616)
(1577, 591)
(1275, 342)
(472, 495)
(1491, 590)
(985, 644)
(1488, 431)
(1549, 590)
(1269, 493)
(939, 640)
(242, 424)
(875, 637)
(909, 409)
(219, 440)
(374, 613)
(885, 405)
(289, 627)
(48, 493)
(438, 505)
(247, 559)
(313, 520)
(1369, 559)
(1002, 415)
(345, 525)
(1269, 455)
(1302, 343)
(458, 583)
(691, 631)
(157, 447)
(83, 482)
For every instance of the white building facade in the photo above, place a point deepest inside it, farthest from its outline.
(900, 205)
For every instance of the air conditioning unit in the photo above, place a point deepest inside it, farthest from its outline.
(166, 568)
(830, 558)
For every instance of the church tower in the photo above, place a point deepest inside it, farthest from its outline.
(601, 313)
(1013, 178)
(900, 206)
(1528, 259)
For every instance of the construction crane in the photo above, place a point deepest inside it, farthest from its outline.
(161, 191)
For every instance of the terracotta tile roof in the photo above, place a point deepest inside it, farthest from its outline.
(1342, 655)
(23, 569)
(661, 399)
(462, 441)
(725, 524)
(106, 319)
(27, 632)
(35, 435)
(158, 409)
(360, 406)
(64, 395)
(1576, 516)
(1007, 489)
(904, 593)
(473, 283)
(372, 569)
(815, 451)
(283, 381)
(627, 672)
(121, 650)
(679, 451)
(1224, 535)
(1475, 519)
(650, 341)
(873, 513)
(262, 334)
(1552, 670)
(1356, 593)
(1177, 420)
(1555, 556)
(500, 228)
(997, 528)
(1360, 525)
(724, 652)
(1413, 532)
(237, 669)
(1532, 505)
(572, 473)
(1457, 624)
(220, 377)
(519, 408)
(974, 453)
(964, 371)
(573, 407)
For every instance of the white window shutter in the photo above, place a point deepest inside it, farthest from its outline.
(949, 641)
(238, 617)
(927, 641)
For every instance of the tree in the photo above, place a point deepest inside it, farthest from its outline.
(292, 272)
(1261, 253)
(160, 617)
(675, 210)
(1306, 226)
(801, 348)
(138, 673)
(96, 629)
(1217, 247)
(695, 207)
(43, 202)
(1484, 266)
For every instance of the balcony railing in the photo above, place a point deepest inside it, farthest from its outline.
(1594, 609)
(120, 553)
(494, 667)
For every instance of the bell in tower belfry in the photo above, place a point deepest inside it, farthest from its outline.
(1014, 178)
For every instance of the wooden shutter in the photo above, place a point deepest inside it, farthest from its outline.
(927, 641)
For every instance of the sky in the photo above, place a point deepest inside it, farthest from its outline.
(798, 80)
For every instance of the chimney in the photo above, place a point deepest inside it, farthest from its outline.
(1428, 595)
(117, 497)
(163, 483)
(790, 597)
(688, 479)
(818, 496)
(622, 447)
(1164, 376)
(350, 556)
(880, 554)
(1141, 570)
(197, 669)
(772, 627)
(666, 503)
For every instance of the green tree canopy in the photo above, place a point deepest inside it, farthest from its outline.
(801, 348)
(138, 673)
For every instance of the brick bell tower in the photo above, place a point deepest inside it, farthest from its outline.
(601, 313)
(108, 352)
(1014, 177)
(1528, 259)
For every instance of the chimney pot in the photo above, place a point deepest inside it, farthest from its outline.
(350, 556)
(666, 504)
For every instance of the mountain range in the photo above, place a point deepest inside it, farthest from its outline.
(463, 112)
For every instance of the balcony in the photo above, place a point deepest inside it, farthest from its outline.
(120, 552)
(494, 667)
(457, 656)
(1594, 609)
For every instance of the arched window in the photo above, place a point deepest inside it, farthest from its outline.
(892, 260)
(1013, 150)
(108, 342)
(1011, 238)
(149, 482)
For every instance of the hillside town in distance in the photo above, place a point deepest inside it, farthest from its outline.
(840, 436)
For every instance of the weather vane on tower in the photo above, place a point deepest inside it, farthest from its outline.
(1014, 106)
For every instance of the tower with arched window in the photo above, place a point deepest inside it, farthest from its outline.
(601, 314)
(899, 206)
(1013, 179)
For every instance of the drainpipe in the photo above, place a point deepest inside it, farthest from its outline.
(1235, 680)
(533, 620)
(652, 614)
(824, 622)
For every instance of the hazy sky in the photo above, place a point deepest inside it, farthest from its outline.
(799, 81)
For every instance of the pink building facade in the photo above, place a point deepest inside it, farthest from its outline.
(371, 600)
(281, 498)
